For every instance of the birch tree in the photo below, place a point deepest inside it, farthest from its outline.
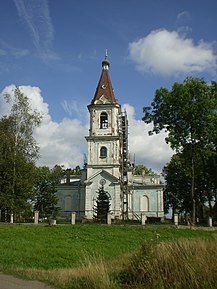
(20, 152)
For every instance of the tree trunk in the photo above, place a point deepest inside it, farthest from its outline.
(193, 192)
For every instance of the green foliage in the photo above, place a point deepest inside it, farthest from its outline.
(23, 120)
(189, 114)
(59, 172)
(178, 185)
(178, 177)
(45, 199)
(141, 169)
(18, 152)
(76, 170)
(102, 205)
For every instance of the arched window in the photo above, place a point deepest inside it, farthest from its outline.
(103, 120)
(144, 204)
(103, 152)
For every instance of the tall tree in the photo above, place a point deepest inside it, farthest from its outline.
(177, 174)
(58, 172)
(102, 205)
(178, 185)
(188, 114)
(45, 199)
(20, 152)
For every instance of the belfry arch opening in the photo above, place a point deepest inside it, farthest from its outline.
(103, 152)
(103, 120)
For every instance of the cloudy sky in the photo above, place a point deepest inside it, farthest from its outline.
(53, 50)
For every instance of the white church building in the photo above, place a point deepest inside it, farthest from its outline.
(108, 165)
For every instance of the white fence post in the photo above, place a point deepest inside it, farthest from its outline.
(144, 218)
(36, 216)
(12, 218)
(210, 221)
(176, 219)
(73, 218)
(109, 219)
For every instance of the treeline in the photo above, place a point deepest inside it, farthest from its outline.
(24, 187)
(188, 113)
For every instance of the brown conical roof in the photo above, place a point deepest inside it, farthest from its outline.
(104, 87)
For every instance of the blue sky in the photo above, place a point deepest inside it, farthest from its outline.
(54, 49)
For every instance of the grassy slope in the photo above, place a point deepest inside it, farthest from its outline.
(44, 247)
(90, 256)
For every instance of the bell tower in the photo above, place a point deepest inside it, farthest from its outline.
(108, 165)
(104, 144)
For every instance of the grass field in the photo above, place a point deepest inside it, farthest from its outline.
(68, 256)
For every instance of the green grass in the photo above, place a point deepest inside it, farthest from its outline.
(64, 252)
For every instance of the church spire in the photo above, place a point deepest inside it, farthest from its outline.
(104, 89)
(105, 62)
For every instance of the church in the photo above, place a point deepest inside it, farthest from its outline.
(108, 165)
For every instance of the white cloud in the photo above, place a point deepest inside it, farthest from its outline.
(166, 52)
(60, 143)
(36, 16)
(183, 17)
(152, 151)
(8, 49)
(19, 52)
(64, 143)
(73, 107)
(34, 95)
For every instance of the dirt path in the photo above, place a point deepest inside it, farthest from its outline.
(10, 282)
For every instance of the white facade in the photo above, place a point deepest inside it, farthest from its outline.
(107, 165)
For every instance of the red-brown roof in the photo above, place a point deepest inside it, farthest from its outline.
(104, 87)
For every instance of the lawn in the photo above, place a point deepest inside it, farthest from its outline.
(41, 249)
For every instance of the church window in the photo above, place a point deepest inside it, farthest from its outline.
(144, 204)
(103, 120)
(103, 152)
